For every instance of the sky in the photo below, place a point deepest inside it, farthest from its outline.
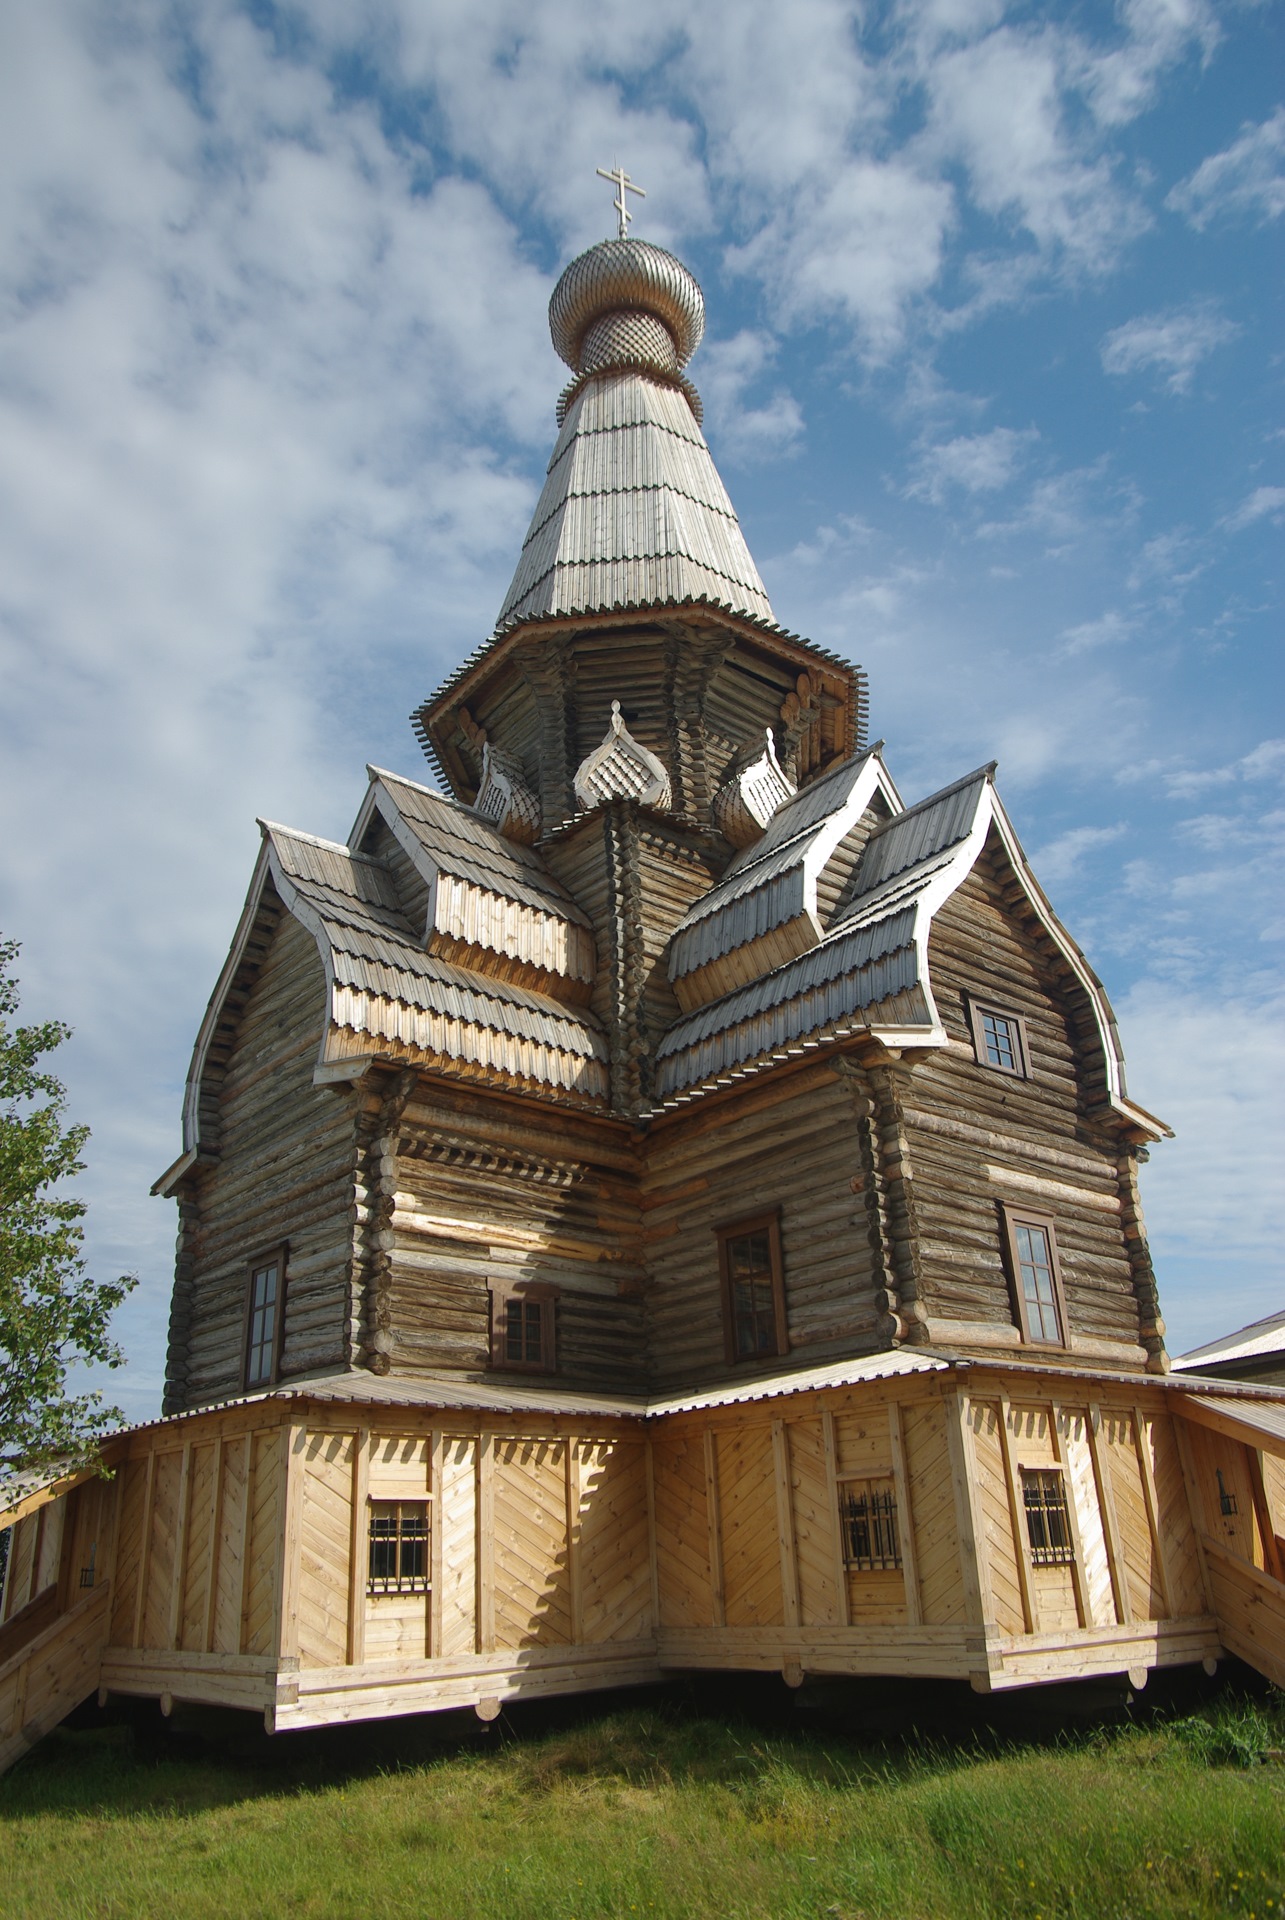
(992, 371)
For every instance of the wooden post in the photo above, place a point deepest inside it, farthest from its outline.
(1195, 1502)
(1110, 1524)
(574, 1570)
(1263, 1513)
(1079, 1578)
(836, 1519)
(905, 1517)
(216, 1507)
(246, 1530)
(1153, 1515)
(486, 1542)
(144, 1552)
(296, 1442)
(715, 1530)
(649, 1457)
(785, 1525)
(974, 1571)
(181, 1527)
(1017, 1514)
(358, 1550)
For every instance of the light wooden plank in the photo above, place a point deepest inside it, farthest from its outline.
(785, 1525)
(358, 1552)
(144, 1552)
(1158, 1543)
(905, 1516)
(180, 1547)
(832, 1492)
(972, 1561)
(1263, 1513)
(486, 1543)
(287, 1583)
(1110, 1520)
(575, 1569)
(1079, 1577)
(216, 1503)
(1017, 1514)
(712, 1517)
(652, 1549)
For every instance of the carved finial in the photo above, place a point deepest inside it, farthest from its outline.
(621, 769)
(751, 794)
(621, 181)
(505, 799)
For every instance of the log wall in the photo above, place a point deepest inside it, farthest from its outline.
(284, 1175)
(977, 1137)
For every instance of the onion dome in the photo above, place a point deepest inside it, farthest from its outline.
(627, 305)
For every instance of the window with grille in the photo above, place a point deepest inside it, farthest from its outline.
(1031, 1246)
(1048, 1525)
(999, 1038)
(398, 1547)
(523, 1329)
(266, 1297)
(868, 1521)
(749, 1258)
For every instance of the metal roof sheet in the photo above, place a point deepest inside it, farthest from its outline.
(940, 821)
(841, 1373)
(1247, 1343)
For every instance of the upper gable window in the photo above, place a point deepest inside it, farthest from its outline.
(999, 1038)
(749, 1259)
(265, 1302)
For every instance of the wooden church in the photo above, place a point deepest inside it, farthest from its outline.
(651, 1199)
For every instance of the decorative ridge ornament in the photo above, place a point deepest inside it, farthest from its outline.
(621, 769)
(751, 794)
(505, 799)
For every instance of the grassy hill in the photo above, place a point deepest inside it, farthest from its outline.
(668, 1808)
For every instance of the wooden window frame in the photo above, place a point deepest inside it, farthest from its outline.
(1013, 1216)
(279, 1254)
(379, 1585)
(1050, 1554)
(539, 1294)
(770, 1222)
(975, 1006)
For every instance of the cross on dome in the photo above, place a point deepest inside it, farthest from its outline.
(621, 181)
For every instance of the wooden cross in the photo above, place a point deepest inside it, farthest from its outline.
(620, 179)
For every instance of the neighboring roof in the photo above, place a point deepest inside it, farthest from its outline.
(775, 879)
(1259, 1338)
(633, 513)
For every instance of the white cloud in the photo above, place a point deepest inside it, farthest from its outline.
(1248, 177)
(1263, 503)
(1088, 635)
(1173, 344)
(1121, 82)
(739, 430)
(1062, 859)
(1265, 762)
(975, 463)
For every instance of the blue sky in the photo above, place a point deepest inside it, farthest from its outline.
(992, 371)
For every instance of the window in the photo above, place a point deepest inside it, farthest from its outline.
(266, 1299)
(524, 1328)
(749, 1259)
(999, 1038)
(868, 1522)
(1048, 1525)
(1031, 1245)
(398, 1547)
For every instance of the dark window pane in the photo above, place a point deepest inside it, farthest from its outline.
(263, 1321)
(398, 1547)
(1035, 1261)
(1048, 1525)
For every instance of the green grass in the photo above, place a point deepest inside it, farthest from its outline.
(656, 1811)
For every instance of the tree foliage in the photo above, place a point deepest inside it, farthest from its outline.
(52, 1314)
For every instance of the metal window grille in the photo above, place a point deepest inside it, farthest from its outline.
(999, 1036)
(1226, 1499)
(87, 1572)
(749, 1265)
(1048, 1525)
(263, 1324)
(868, 1517)
(398, 1547)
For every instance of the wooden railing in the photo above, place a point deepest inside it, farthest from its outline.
(50, 1673)
(1250, 1607)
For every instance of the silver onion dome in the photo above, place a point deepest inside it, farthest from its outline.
(625, 302)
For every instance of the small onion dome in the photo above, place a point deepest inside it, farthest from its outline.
(625, 302)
